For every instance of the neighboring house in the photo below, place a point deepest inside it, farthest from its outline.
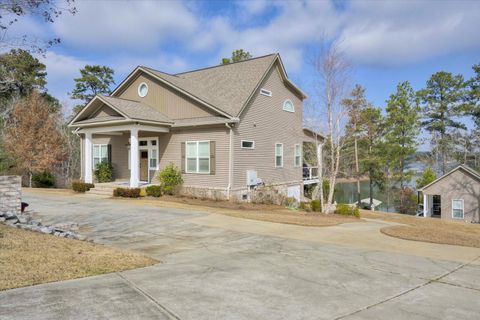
(227, 127)
(455, 195)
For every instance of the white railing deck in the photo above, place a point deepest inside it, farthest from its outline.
(310, 174)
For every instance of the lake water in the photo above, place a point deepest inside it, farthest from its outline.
(346, 192)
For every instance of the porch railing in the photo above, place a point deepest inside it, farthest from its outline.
(310, 173)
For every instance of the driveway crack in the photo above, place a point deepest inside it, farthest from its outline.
(437, 279)
(169, 313)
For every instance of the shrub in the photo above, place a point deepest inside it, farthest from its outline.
(316, 206)
(80, 186)
(347, 210)
(302, 205)
(43, 179)
(154, 191)
(290, 202)
(127, 192)
(103, 172)
(170, 179)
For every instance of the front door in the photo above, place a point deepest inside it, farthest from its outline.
(144, 165)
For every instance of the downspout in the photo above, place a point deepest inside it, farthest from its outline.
(230, 159)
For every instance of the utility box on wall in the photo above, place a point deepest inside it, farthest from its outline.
(251, 177)
(10, 194)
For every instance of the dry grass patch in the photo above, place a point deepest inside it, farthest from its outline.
(28, 258)
(261, 212)
(429, 229)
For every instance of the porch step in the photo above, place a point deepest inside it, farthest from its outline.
(103, 190)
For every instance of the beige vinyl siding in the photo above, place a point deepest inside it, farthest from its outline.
(458, 185)
(265, 122)
(170, 151)
(105, 111)
(166, 100)
(119, 153)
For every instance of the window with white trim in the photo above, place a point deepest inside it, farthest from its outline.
(266, 92)
(248, 144)
(100, 154)
(278, 155)
(142, 89)
(153, 159)
(298, 155)
(457, 209)
(197, 156)
(288, 106)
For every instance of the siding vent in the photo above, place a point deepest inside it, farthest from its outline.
(266, 92)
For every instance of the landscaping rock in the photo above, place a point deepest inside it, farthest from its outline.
(24, 221)
(45, 230)
(23, 218)
(11, 221)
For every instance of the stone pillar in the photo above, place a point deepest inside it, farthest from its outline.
(88, 158)
(134, 159)
(10, 194)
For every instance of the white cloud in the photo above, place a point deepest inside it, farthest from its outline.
(123, 35)
(396, 33)
(139, 25)
(253, 8)
(61, 70)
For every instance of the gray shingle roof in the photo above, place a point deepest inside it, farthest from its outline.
(136, 110)
(226, 87)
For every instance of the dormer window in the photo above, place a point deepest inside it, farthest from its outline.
(266, 92)
(288, 106)
(142, 89)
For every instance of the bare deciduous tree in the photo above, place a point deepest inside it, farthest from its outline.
(332, 76)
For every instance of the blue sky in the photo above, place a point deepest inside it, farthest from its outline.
(386, 41)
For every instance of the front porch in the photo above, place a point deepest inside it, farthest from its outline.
(133, 150)
(432, 205)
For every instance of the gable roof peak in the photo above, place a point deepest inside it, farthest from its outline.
(228, 64)
(463, 167)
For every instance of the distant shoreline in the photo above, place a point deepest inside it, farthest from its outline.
(349, 180)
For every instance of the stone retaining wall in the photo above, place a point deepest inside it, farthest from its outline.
(10, 194)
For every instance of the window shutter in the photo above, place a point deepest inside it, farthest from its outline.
(182, 148)
(212, 157)
(109, 153)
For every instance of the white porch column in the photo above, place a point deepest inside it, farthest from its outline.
(134, 159)
(425, 205)
(88, 158)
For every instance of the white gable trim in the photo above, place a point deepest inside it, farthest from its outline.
(89, 106)
(463, 167)
(283, 75)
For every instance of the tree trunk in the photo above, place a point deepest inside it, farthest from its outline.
(357, 169)
(371, 191)
(30, 179)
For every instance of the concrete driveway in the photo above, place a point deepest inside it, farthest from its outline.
(218, 267)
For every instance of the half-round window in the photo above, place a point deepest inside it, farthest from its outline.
(288, 106)
(142, 89)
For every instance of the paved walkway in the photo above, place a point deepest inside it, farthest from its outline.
(219, 267)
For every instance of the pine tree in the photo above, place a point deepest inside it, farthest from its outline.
(402, 125)
(355, 104)
(442, 101)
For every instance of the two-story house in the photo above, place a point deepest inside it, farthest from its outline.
(228, 128)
